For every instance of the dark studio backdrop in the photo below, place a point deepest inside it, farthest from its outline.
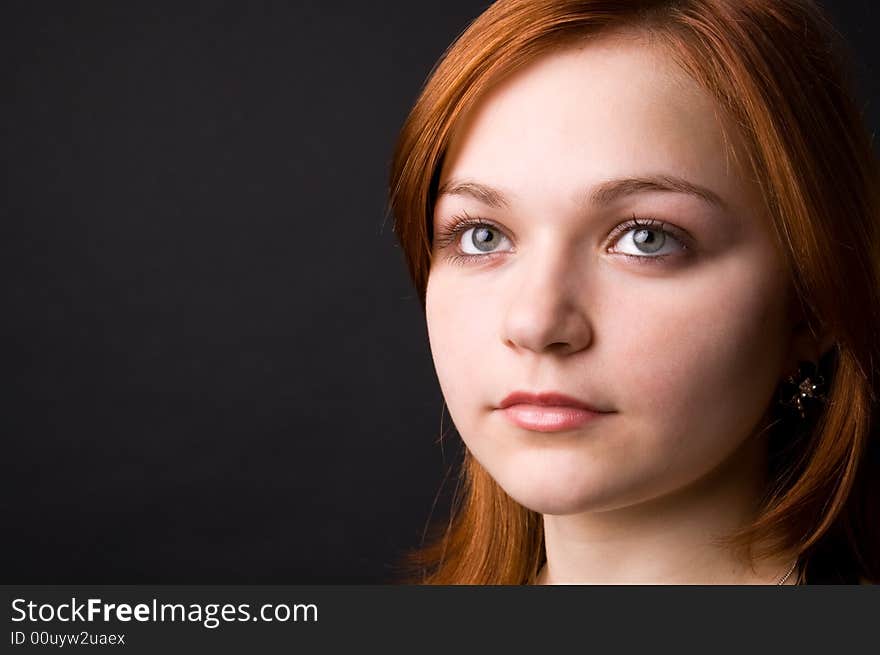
(215, 369)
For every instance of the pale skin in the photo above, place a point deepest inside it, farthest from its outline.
(685, 353)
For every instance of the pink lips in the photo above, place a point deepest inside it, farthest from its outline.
(547, 412)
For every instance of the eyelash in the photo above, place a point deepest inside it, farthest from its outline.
(461, 223)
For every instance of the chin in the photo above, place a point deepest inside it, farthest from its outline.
(556, 490)
(551, 506)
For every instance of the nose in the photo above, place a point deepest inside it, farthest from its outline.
(546, 308)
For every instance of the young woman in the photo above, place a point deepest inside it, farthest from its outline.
(646, 235)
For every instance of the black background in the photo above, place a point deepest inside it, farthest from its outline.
(215, 369)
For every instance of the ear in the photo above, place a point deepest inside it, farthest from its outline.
(807, 344)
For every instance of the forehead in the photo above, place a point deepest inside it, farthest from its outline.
(611, 106)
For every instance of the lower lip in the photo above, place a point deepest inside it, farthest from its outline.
(544, 418)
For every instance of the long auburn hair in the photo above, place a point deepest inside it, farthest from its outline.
(781, 71)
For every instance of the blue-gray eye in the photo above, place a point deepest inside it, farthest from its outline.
(648, 242)
(481, 239)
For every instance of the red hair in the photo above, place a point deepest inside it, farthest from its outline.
(777, 70)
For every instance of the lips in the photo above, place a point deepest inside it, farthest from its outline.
(548, 412)
(549, 398)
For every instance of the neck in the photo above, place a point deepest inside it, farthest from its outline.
(667, 540)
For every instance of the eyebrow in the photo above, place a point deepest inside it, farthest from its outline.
(603, 193)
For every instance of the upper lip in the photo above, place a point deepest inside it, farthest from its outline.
(548, 398)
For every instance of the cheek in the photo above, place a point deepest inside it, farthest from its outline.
(462, 329)
(708, 353)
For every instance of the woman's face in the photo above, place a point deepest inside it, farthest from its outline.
(677, 329)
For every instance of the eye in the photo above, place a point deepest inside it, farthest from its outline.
(471, 239)
(647, 240)
(481, 239)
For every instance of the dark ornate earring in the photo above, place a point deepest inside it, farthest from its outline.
(804, 391)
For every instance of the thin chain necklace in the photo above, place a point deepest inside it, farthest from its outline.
(790, 571)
